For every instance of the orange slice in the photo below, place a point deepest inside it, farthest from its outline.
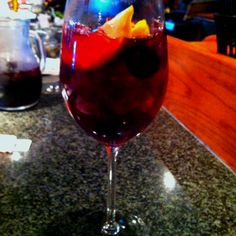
(140, 29)
(122, 26)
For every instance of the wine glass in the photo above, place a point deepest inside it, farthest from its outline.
(113, 74)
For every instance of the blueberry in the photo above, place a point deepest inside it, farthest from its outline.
(142, 61)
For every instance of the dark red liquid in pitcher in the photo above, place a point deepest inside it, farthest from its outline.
(113, 88)
(19, 89)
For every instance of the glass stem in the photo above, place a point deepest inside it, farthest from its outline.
(111, 197)
(111, 227)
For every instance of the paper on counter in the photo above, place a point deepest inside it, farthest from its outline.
(7, 142)
(10, 143)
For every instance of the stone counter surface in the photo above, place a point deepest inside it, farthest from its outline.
(165, 176)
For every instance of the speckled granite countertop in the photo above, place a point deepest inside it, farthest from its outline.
(165, 176)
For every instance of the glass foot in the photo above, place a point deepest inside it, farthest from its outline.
(126, 226)
(89, 223)
(133, 225)
(111, 228)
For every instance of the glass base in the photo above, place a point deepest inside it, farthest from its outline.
(51, 84)
(90, 223)
(19, 108)
(111, 228)
(132, 225)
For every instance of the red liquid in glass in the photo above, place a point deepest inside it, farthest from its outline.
(19, 88)
(113, 88)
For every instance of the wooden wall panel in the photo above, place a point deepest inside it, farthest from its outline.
(202, 94)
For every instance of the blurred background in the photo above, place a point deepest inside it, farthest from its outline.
(189, 20)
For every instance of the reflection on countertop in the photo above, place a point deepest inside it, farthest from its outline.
(165, 176)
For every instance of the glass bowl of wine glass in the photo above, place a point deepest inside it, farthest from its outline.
(113, 76)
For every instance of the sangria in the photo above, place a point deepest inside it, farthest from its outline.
(113, 86)
(19, 88)
(20, 71)
(113, 74)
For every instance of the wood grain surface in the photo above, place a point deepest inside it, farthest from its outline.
(202, 94)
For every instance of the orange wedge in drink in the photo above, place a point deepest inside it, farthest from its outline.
(122, 26)
(140, 29)
(100, 46)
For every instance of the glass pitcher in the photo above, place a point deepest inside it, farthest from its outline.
(20, 68)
